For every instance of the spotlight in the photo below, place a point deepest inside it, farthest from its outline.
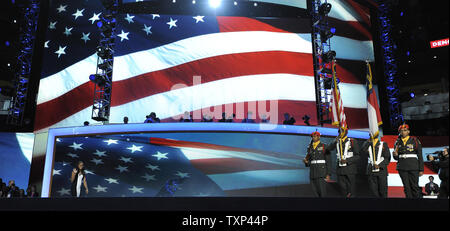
(328, 56)
(328, 83)
(215, 3)
(412, 95)
(98, 79)
(104, 66)
(7, 43)
(324, 9)
(106, 24)
(104, 52)
(325, 35)
(193, 1)
(235, 3)
(255, 4)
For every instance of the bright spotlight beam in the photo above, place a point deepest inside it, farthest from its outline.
(215, 3)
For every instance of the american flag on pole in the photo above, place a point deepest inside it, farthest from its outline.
(373, 110)
(337, 106)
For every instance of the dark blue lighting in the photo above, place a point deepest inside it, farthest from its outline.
(412, 95)
(408, 53)
(99, 24)
(92, 77)
(390, 63)
(401, 13)
(7, 43)
(333, 30)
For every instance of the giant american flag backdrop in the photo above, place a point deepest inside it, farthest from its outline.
(239, 59)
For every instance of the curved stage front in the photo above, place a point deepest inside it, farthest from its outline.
(181, 159)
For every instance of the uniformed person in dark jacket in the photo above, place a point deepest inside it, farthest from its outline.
(319, 161)
(408, 153)
(442, 167)
(377, 167)
(347, 151)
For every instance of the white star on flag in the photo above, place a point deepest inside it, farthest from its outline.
(172, 23)
(110, 141)
(68, 31)
(152, 167)
(155, 16)
(64, 191)
(72, 155)
(89, 172)
(61, 8)
(97, 161)
(135, 189)
(147, 29)
(61, 51)
(85, 37)
(52, 25)
(99, 153)
(95, 17)
(129, 18)
(76, 146)
(46, 46)
(135, 148)
(56, 172)
(126, 160)
(122, 169)
(182, 174)
(199, 19)
(160, 155)
(149, 177)
(79, 13)
(100, 188)
(123, 36)
(64, 163)
(112, 181)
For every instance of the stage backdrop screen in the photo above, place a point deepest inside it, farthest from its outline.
(185, 164)
(15, 157)
(172, 64)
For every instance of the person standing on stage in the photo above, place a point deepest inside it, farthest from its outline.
(78, 178)
(319, 161)
(377, 168)
(408, 153)
(441, 165)
(347, 151)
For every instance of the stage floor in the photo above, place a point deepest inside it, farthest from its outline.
(222, 204)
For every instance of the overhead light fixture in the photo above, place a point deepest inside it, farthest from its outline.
(235, 3)
(98, 79)
(328, 56)
(324, 9)
(326, 34)
(193, 1)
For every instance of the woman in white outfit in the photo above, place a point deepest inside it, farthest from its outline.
(78, 178)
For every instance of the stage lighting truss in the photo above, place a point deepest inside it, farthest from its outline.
(16, 109)
(390, 64)
(323, 57)
(105, 61)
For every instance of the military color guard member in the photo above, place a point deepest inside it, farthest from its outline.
(379, 159)
(347, 151)
(319, 161)
(408, 153)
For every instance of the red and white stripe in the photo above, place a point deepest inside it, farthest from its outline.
(266, 64)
